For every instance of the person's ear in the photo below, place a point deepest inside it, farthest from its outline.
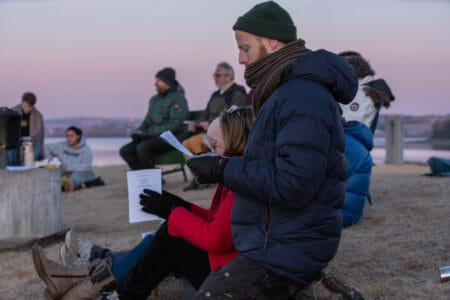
(272, 45)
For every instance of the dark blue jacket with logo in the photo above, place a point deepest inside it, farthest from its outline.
(289, 183)
(358, 144)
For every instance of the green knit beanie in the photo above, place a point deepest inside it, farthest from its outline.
(268, 19)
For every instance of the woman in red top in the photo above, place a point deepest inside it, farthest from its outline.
(192, 242)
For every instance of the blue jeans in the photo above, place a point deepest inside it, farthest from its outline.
(37, 153)
(123, 261)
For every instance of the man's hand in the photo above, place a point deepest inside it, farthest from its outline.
(205, 125)
(207, 168)
(139, 136)
(192, 128)
(161, 205)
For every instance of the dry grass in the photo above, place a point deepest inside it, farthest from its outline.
(394, 253)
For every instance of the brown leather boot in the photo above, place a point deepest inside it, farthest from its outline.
(58, 278)
(100, 279)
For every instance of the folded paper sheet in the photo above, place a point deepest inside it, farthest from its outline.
(172, 140)
(137, 182)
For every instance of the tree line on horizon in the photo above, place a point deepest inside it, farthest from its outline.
(435, 128)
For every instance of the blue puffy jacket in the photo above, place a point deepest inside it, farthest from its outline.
(289, 183)
(358, 144)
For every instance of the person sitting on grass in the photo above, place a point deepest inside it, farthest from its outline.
(192, 242)
(76, 160)
(358, 144)
(166, 111)
(439, 166)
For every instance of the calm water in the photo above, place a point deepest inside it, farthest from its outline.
(106, 150)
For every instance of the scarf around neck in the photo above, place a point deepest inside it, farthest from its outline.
(264, 74)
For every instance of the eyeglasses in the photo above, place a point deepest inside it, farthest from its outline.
(216, 75)
(238, 110)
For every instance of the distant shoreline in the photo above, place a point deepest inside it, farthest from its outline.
(416, 150)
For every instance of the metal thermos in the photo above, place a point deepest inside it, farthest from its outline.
(444, 273)
(28, 154)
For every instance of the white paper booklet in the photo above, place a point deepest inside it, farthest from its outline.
(137, 182)
(171, 139)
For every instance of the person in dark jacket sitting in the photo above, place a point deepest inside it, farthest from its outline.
(167, 111)
(290, 183)
(358, 144)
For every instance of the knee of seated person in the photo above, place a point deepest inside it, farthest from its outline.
(123, 151)
(142, 148)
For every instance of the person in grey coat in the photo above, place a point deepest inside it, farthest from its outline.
(76, 160)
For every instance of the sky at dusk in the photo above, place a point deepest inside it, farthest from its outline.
(99, 58)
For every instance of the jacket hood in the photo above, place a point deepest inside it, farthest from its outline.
(329, 70)
(379, 91)
(81, 144)
(360, 132)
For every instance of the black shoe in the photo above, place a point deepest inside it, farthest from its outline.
(96, 182)
(192, 186)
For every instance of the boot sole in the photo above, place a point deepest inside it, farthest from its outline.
(69, 240)
(51, 291)
(66, 258)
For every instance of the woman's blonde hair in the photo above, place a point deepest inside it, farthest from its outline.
(236, 124)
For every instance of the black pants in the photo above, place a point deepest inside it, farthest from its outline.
(244, 279)
(138, 155)
(166, 254)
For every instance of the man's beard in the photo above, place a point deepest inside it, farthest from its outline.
(262, 51)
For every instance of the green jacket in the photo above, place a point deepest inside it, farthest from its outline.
(166, 112)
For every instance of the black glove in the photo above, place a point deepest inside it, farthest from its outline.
(176, 201)
(161, 205)
(207, 168)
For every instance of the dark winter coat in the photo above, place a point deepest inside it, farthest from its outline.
(290, 182)
(234, 95)
(358, 144)
(166, 112)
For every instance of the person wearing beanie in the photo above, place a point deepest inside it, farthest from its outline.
(286, 219)
(371, 96)
(167, 111)
(228, 94)
(167, 75)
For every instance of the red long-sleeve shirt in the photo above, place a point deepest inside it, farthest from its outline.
(207, 229)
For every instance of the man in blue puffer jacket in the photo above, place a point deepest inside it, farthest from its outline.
(290, 183)
(358, 144)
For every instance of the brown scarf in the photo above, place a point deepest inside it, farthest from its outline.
(264, 74)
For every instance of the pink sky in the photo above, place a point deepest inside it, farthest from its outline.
(98, 58)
